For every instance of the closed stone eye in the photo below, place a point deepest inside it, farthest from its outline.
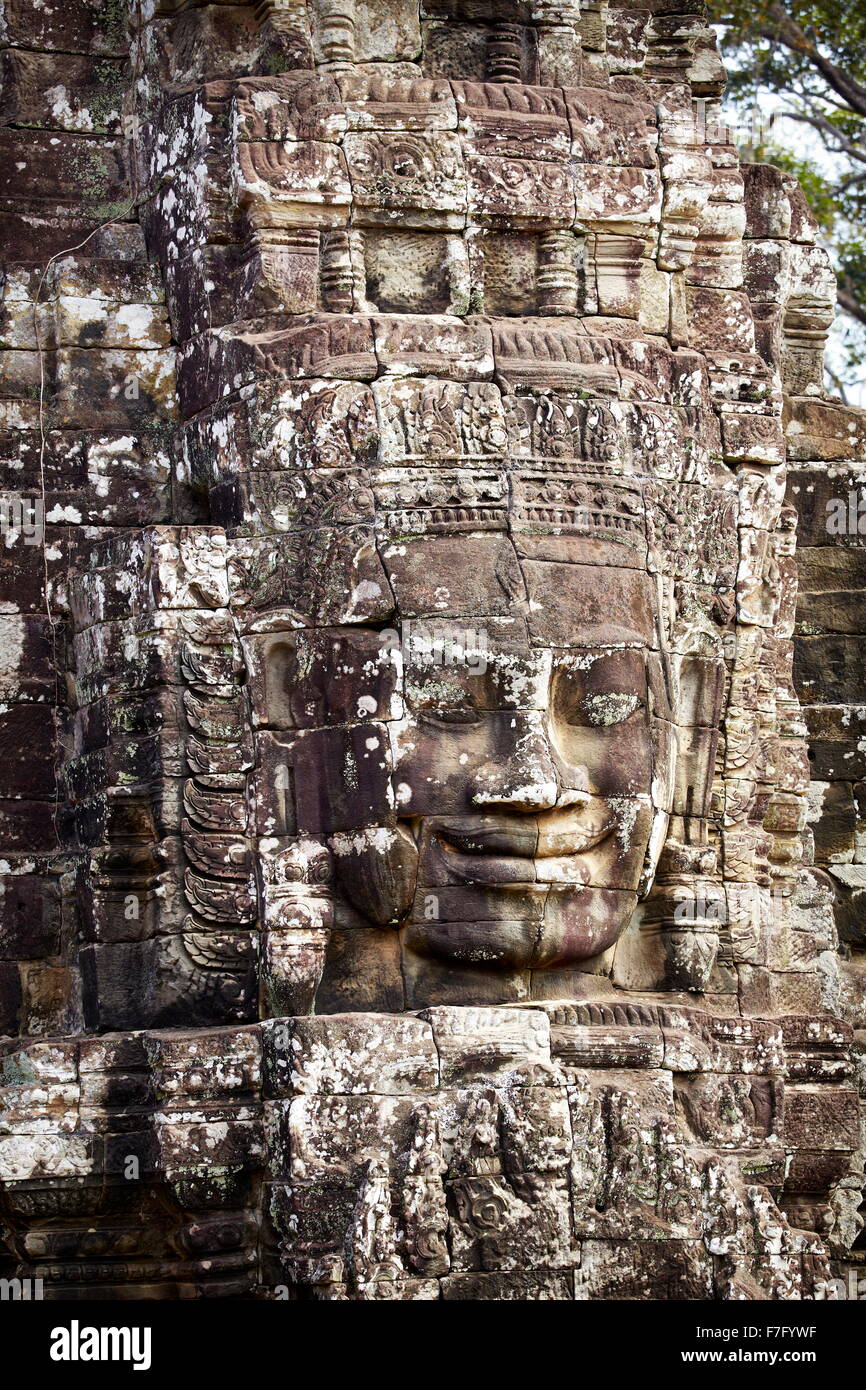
(451, 716)
(605, 710)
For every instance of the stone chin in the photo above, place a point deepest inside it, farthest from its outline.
(573, 924)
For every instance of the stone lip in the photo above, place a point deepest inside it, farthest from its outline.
(508, 852)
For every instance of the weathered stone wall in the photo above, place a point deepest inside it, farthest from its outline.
(84, 451)
(320, 321)
(826, 475)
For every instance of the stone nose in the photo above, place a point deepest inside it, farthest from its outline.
(524, 778)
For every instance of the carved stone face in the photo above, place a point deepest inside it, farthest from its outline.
(532, 836)
(443, 480)
(499, 801)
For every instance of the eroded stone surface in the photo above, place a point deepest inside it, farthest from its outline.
(413, 872)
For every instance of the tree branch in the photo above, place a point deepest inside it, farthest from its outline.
(838, 383)
(784, 30)
(842, 146)
(851, 180)
(851, 306)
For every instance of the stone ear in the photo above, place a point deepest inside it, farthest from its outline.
(377, 868)
(700, 690)
(280, 678)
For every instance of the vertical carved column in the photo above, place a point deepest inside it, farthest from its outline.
(548, 13)
(505, 53)
(220, 927)
(342, 274)
(336, 275)
(284, 16)
(556, 281)
(286, 26)
(558, 41)
(337, 33)
(686, 907)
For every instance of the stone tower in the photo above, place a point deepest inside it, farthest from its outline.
(413, 879)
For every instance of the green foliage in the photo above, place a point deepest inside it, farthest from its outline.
(793, 40)
(810, 61)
